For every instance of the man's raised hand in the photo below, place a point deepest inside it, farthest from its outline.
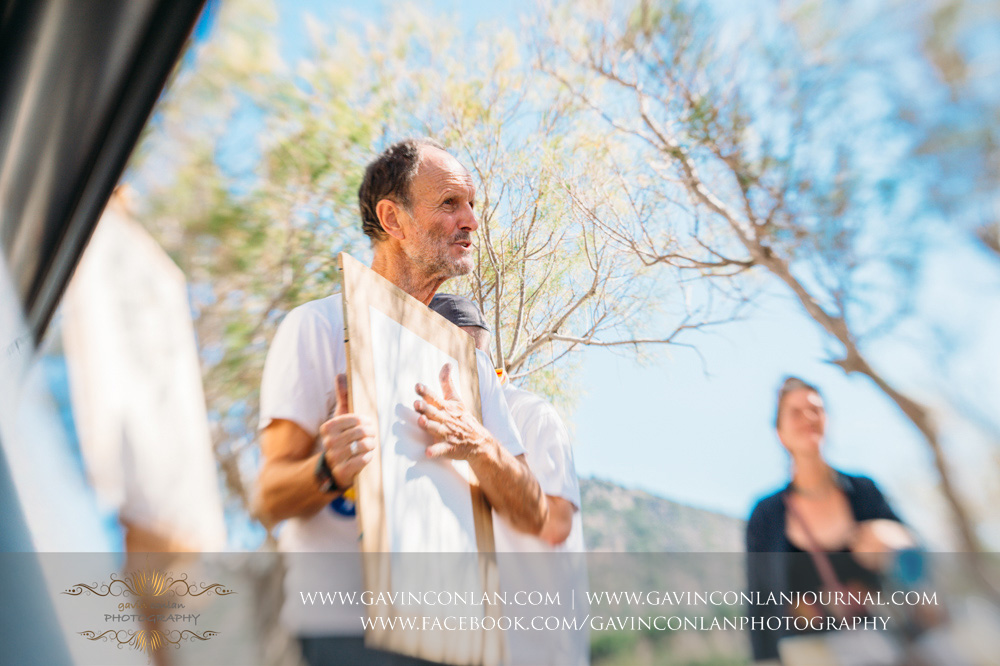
(457, 433)
(348, 440)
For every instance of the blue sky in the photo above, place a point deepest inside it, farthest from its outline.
(708, 440)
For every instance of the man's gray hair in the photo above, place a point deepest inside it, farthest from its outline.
(389, 176)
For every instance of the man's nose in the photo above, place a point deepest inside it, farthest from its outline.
(468, 221)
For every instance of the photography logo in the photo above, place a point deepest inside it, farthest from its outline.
(154, 602)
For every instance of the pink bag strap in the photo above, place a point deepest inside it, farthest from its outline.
(819, 557)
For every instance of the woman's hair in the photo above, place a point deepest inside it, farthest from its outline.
(788, 385)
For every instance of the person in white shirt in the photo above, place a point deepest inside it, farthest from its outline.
(416, 205)
(549, 454)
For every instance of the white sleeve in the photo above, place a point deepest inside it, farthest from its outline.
(550, 454)
(299, 383)
(496, 413)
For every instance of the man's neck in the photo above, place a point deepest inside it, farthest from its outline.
(406, 276)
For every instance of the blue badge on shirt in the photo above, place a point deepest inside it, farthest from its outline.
(343, 506)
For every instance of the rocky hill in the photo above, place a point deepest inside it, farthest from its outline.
(616, 519)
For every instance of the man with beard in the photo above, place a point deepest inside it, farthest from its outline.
(416, 205)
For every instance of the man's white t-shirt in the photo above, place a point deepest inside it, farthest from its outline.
(299, 384)
(549, 455)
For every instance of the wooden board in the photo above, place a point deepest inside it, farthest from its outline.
(406, 503)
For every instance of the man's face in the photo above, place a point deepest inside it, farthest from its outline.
(441, 218)
(802, 421)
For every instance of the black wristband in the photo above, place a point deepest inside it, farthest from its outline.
(324, 475)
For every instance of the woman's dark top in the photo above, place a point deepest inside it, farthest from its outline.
(768, 551)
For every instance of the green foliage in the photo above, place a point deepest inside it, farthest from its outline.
(605, 645)
(249, 179)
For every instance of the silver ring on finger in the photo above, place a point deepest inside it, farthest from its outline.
(354, 448)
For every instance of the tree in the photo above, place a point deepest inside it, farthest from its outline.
(545, 276)
(264, 161)
(958, 136)
(254, 241)
(768, 157)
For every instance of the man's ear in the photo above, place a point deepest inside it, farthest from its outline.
(389, 215)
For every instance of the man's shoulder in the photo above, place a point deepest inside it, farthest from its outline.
(483, 359)
(527, 407)
(515, 394)
(329, 309)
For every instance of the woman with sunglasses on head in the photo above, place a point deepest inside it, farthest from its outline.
(826, 531)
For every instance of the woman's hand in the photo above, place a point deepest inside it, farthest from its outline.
(875, 540)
